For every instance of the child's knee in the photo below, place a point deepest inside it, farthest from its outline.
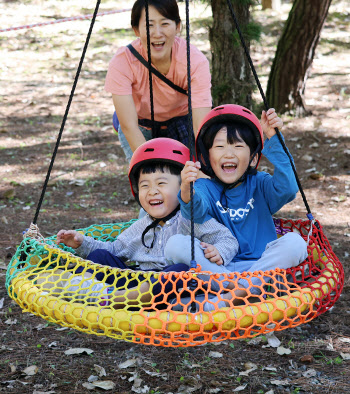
(176, 249)
(295, 246)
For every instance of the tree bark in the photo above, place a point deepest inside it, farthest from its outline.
(231, 76)
(274, 4)
(294, 56)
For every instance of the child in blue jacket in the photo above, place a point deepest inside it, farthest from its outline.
(229, 146)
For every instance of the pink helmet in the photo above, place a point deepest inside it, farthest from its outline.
(157, 150)
(222, 114)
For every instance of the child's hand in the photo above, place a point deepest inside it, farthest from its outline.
(270, 120)
(212, 254)
(188, 174)
(70, 238)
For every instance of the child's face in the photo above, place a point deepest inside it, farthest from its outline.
(229, 161)
(158, 193)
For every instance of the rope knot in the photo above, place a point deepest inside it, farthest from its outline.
(33, 232)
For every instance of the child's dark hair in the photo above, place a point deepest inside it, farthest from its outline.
(168, 8)
(236, 132)
(151, 168)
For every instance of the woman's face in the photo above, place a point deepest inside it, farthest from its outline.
(162, 35)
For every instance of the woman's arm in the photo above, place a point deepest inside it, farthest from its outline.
(197, 117)
(127, 116)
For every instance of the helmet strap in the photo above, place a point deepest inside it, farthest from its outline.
(154, 224)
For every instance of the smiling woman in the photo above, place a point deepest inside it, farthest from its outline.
(128, 79)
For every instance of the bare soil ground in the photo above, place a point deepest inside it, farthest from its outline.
(89, 185)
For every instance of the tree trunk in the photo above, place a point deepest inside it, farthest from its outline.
(274, 4)
(231, 76)
(294, 55)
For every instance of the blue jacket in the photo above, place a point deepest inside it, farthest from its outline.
(248, 208)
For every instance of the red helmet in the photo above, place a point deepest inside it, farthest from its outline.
(222, 114)
(164, 150)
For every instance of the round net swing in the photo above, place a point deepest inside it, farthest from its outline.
(42, 279)
(39, 279)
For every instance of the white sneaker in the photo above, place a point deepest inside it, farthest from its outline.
(87, 289)
(186, 304)
(213, 305)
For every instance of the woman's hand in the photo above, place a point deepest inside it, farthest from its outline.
(70, 238)
(212, 254)
(188, 174)
(270, 120)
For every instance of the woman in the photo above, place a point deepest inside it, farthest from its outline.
(128, 79)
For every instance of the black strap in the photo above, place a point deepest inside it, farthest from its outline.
(155, 71)
(154, 224)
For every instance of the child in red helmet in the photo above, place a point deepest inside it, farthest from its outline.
(229, 145)
(155, 182)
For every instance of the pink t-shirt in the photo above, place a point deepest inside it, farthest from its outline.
(126, 75)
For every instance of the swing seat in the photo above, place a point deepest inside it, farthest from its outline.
(40, 273)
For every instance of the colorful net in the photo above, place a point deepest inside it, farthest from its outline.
(54, 283)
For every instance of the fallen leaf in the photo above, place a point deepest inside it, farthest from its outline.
(128, 363)
(309, 373)
(276, 382)
(30, 371)
(159, 374)
(307, 158)
(100, 370)
(316, 176)
(240, 388)
(272, 340)
(339, 198)
(11, 321)
(282, 350)
(255, 341)
(345, 356)
(41, 326)
(104, 384)
(77, 182)
(215, 354)
(312, 169)
(13, 368)
(308, 358)
(78, 350)
(88, 386)
(270, 369)
(249, 367)
(2, 302)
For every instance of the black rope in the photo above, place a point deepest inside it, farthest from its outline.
(66, 112)
(190, 122)
(149, 65)
(193, 282)
(278, 133)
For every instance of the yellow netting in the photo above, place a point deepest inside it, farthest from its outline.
(62, 288)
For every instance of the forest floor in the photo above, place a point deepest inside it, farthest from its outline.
(89, 185)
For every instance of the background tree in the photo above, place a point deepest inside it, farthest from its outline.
(231, 75)
(274, 4)
(294, 55)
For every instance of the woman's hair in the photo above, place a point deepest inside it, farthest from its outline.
(168, 8)
(151, 168)
(236, 132)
